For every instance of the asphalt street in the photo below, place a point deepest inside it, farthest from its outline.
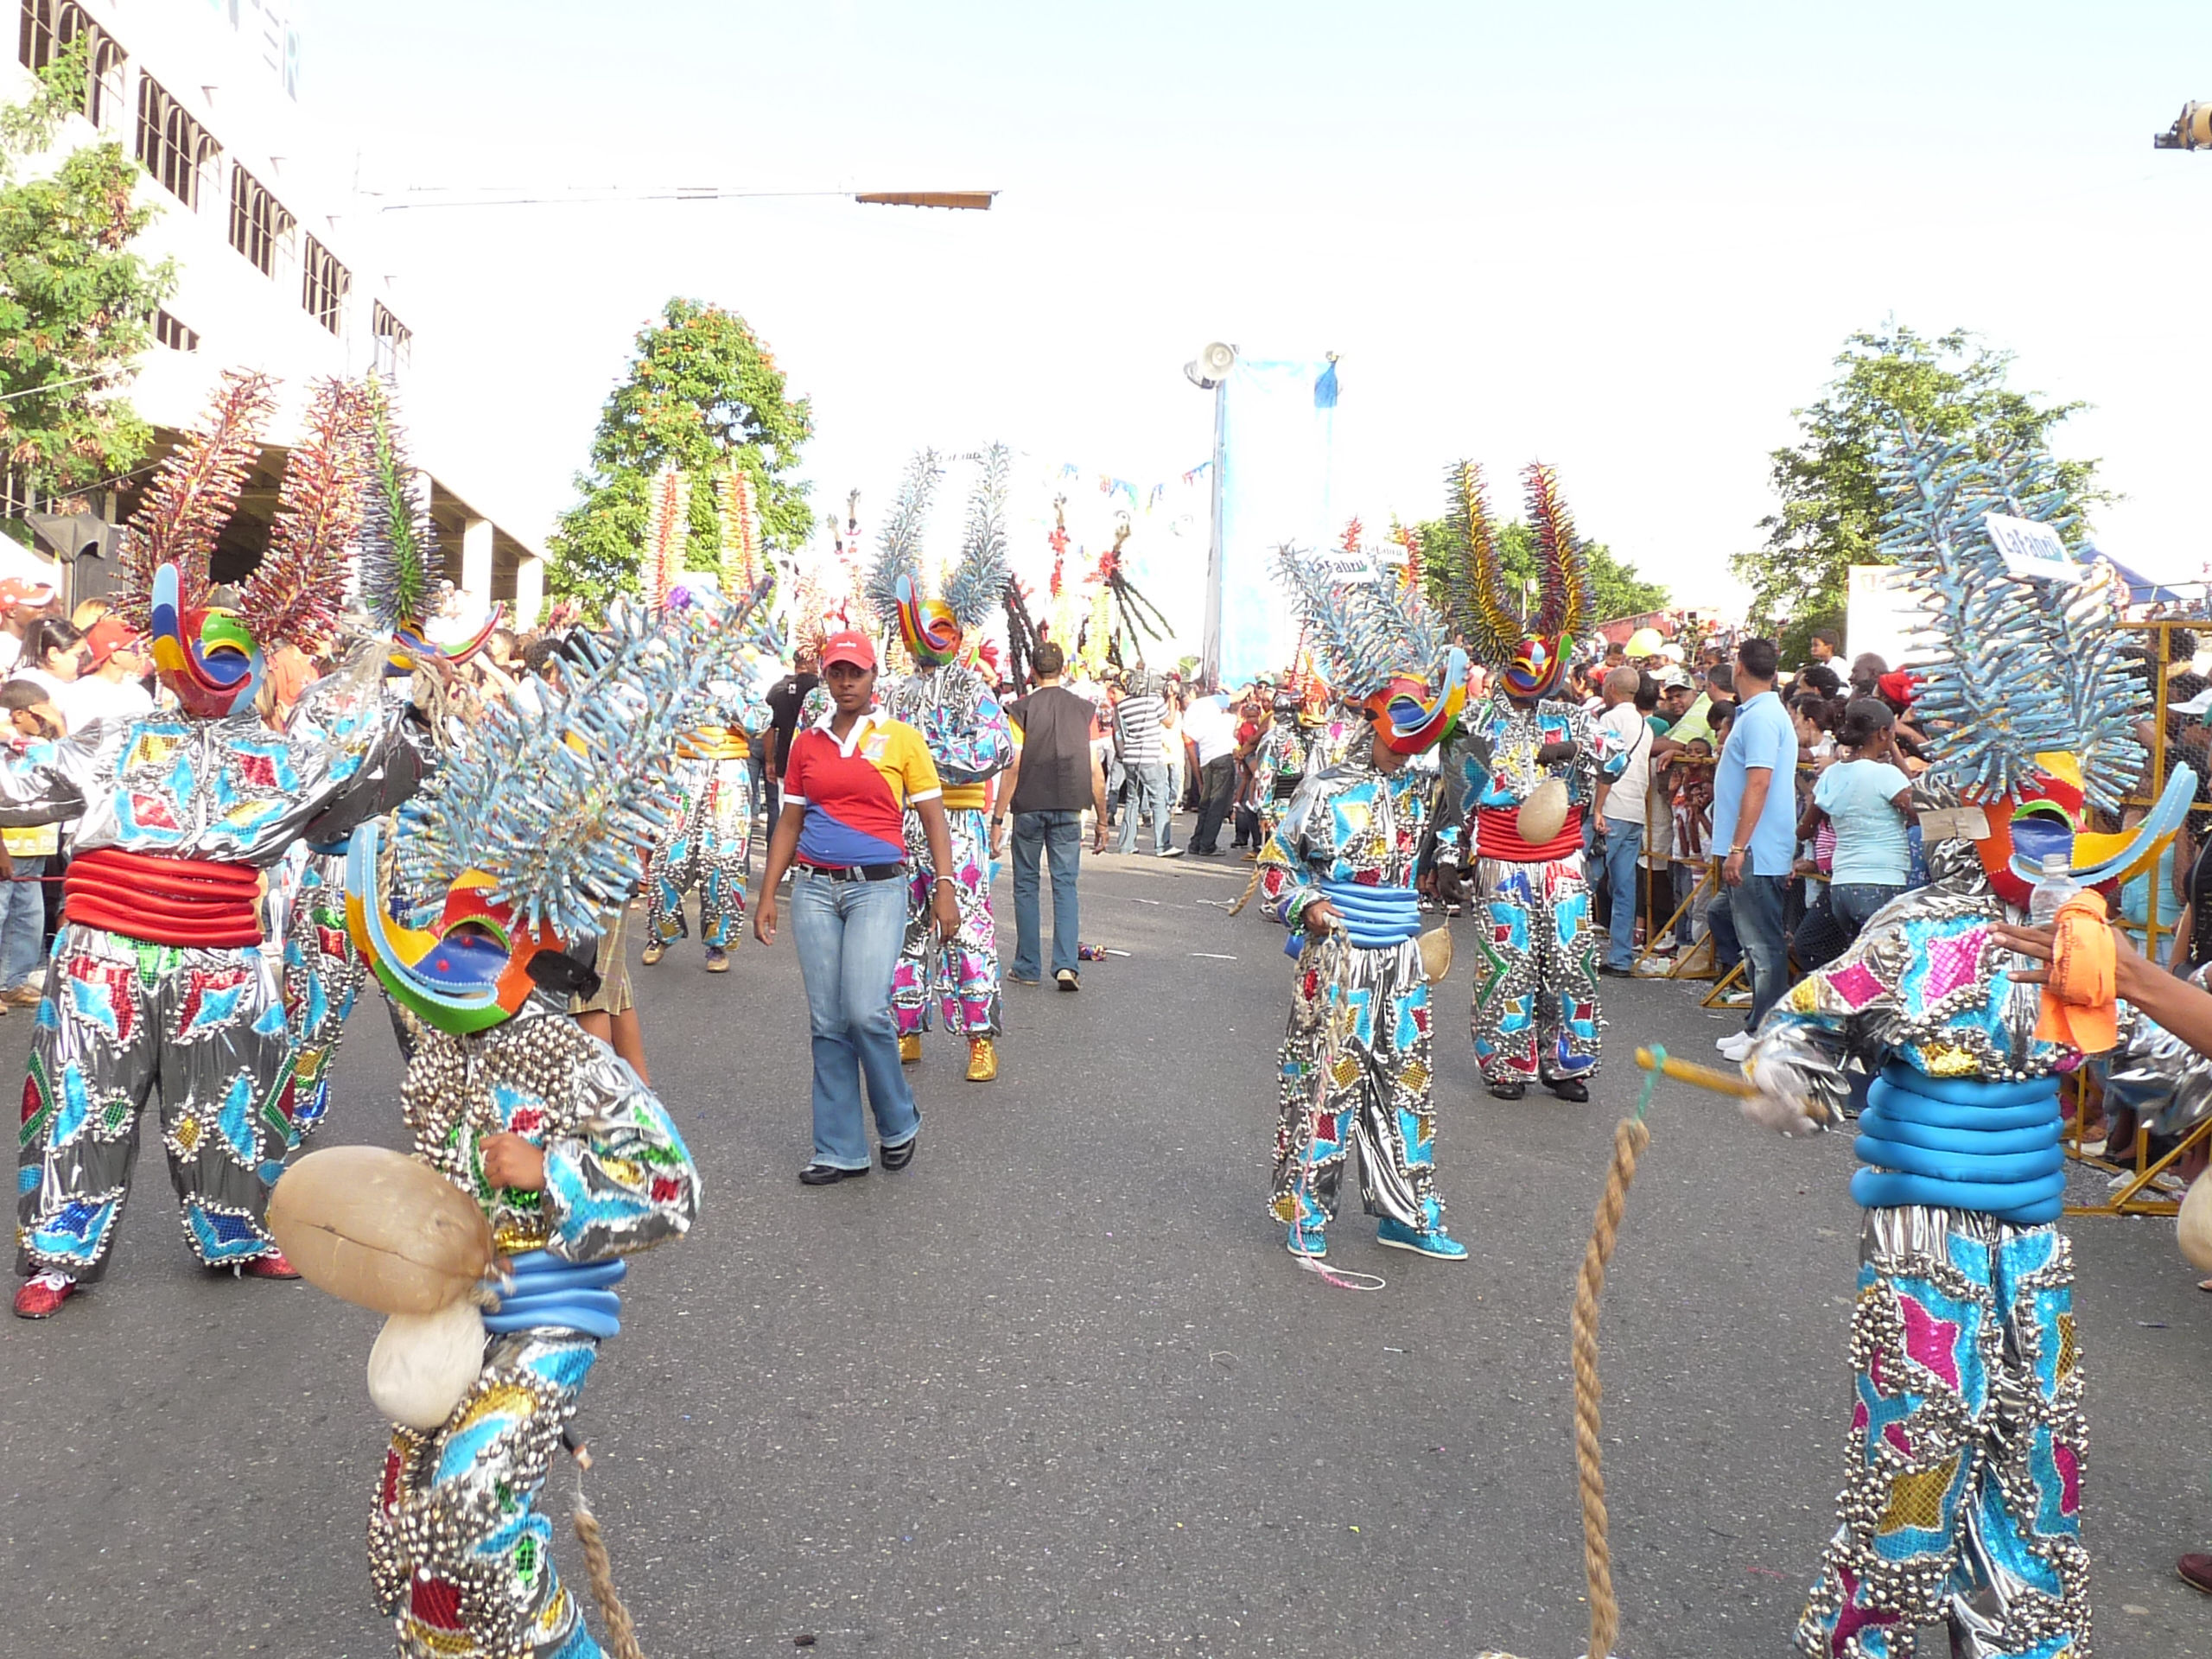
(1058, 1388)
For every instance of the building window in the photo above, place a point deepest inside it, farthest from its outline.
(48, 27)
(169, 332)
(260, 227)
(395, 340)
(172, 146)
(323, 284)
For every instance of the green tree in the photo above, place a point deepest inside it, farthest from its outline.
(702, 394)
(76, 304)
(1620, 590)
(1830, 516)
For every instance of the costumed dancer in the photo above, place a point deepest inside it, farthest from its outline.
(1339, 872)
(1961, 1504)
(536, 832)
(1517, 782)
(709, 847)
(1281, 760)
(953, 708)
(158, 987)
(393, 587)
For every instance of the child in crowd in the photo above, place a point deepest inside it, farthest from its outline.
(1692, 826)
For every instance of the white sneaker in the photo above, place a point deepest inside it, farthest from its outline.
(1735, 1046)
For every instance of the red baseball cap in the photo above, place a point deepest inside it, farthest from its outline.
(107, 636)
(851, 647)
(15, 591)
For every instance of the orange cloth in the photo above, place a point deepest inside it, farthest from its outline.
(2081, 1003)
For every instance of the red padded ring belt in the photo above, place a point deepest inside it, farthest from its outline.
(1497, 834)
(189, 901)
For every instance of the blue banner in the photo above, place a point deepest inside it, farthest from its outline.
(1277, 445)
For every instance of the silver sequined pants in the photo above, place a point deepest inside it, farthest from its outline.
(709, 847)
(459, 1556)
(1535, 1003)
(1962, 1504)
(124, 1023)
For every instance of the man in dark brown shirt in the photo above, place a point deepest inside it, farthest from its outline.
(1054, 776)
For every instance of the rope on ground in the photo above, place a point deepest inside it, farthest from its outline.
(622, 1629)
(1250, 888)
(1630, 1139)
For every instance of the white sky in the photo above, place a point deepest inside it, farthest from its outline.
(1627, 239)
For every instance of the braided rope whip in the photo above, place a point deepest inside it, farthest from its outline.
(1630, 1137)
(622, 1629)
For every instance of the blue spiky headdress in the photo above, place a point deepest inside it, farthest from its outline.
(1379, 644)
(933, 630)
(2008, 669)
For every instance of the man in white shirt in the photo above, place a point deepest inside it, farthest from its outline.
(1620, 814)
(1209, 724)
(113, 684)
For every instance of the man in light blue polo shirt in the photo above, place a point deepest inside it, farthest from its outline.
(1755, 831)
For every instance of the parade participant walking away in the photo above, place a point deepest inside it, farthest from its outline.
(949, 702)
(1754, 832)
(1212, 729)
(1280, 762)
(1962, 1503)
(158, 989)
(1054, 776)
(1357, 1066)
(528, 836)
(850, 779)
(1517, 782)
(708, 848)
(1141, 733)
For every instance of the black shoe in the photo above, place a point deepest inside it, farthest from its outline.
(1068, 979)
(1570, 1089)
(1507, 1091)
(829, 1174)
(900, 1156)
(1611, 972)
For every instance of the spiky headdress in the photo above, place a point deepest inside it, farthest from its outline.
(212, 659)
(933, 630)
(2008, 670)
(740, 528)
(1378, 643)
(1530, 655)
(394, 580)
(560, 796)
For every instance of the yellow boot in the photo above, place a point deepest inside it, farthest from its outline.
(983, 1059)
(910, 1049)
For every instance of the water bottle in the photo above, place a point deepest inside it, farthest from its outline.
(2053, 889)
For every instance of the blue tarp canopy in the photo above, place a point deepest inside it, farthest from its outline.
(2142, 590)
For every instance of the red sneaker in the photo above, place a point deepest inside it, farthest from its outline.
(40, 1296)
(270, 1266)
(2196, 1570)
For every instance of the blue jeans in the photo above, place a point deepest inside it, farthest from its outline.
(1852, 902)
(1624, 845)
(22, 924)
(1752, 915)
(1148, 799)
(1036, 835)
(848, 934)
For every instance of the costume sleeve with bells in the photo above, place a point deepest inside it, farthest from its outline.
(625, 1182)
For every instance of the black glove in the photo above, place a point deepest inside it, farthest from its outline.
(1553, 754)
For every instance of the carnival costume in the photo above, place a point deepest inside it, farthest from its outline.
(1281, 761)
(1536, 1013)
(709, 847)
(159, 986)
(949, 702)
(1355, 1061)
(532, 833)
(1962, 1500)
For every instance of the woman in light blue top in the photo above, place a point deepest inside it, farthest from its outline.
(1868, 798)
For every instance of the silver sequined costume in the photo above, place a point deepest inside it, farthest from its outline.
(458, 1554)
(1355, 825)
(140, 1017)
(709, 845)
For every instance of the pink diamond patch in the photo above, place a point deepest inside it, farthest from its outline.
(1951, 962)
(1856, 985)
(1930, 1341)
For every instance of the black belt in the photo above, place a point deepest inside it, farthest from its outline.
(856, 872)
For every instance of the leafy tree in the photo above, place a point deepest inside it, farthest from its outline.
(1831, 504)
(76, 304)
(1620, 590)
(702, 394)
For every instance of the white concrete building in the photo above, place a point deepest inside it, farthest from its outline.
(274, 273)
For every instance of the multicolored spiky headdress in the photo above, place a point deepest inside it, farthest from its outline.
(1530, 657)
(538, 830)
(1379, 644)
(211, 656)
(933, 630)
(394, 583)
(2024, 687)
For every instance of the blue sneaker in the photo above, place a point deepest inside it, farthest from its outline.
(1431, 1240)
(1308, 1240)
